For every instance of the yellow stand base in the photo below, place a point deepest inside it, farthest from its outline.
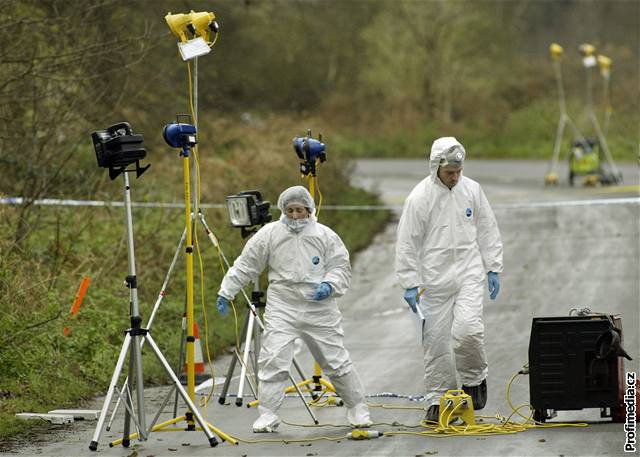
(162, 428)
(320, 385)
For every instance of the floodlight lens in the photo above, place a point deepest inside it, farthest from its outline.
(238, 208)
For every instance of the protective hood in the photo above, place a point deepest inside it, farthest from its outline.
(445, 151)
(296, 194)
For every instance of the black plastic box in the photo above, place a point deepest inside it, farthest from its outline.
(564, 373)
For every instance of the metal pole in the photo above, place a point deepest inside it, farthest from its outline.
(189, 267)
(196, 177)
(136, 320)
(132, 342)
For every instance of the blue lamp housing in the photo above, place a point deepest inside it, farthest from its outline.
(180, 135)
(309, 149)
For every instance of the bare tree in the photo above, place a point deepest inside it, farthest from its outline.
(64, 65)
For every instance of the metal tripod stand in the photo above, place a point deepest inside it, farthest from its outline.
(134, 338)
(250, 331)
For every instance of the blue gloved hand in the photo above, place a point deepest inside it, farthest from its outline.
(322, 291)
(411, 297)
(494, 284)
(223, 305)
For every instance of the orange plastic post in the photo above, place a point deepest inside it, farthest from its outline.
(75, 307)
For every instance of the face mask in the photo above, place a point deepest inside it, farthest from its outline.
(296, 225)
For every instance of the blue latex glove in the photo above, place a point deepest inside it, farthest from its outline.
(223, 305)
(411, 297)
(494, 284)
(322, 291)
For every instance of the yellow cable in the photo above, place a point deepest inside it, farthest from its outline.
(531, 423)
(386, 406)
(192, 109)
(513, 408)
(235, 324)
(319, 197)
(214, 40)
(393, 424)
(285, 441)
(233, 306)
(206, 323)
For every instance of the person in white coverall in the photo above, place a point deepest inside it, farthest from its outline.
(448, 245)
(308, 268)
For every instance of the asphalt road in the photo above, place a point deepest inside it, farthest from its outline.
(564, 248)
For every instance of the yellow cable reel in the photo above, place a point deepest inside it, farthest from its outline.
(455, 403)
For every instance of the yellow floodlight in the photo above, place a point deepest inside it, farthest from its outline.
(556, 51)
(202, 23)
(178, 24)
(587, 49)
(604, 63)
(193, 29)
(588, 58)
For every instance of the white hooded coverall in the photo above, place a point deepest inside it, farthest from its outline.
(448, 240)
(298, 262)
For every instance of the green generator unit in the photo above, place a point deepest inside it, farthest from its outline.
(584, 160)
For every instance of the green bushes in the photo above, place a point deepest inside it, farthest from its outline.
(526, 133)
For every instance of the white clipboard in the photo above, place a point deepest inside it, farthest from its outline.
(418, 321)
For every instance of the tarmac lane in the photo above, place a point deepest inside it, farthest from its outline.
(564, 248)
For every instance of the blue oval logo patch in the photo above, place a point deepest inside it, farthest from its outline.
(315, 260)
(469, 212)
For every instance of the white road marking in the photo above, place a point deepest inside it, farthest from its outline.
(389, 312)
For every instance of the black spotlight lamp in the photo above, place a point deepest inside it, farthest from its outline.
(117, 147)
(247, 209)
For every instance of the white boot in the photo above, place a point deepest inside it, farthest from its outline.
(267, 422)
(358, 416)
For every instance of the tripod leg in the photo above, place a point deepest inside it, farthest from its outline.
(164, 403)
(252, 381)
(256, 349)
(232, 366)
(112, 386)
(302, 376)
(167, 368)
(313, 416)
(245, 359)
(181, 357)
(128, 404)
(135, 366)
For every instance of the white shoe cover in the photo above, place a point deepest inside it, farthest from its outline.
(358, 416)
(267, 423)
